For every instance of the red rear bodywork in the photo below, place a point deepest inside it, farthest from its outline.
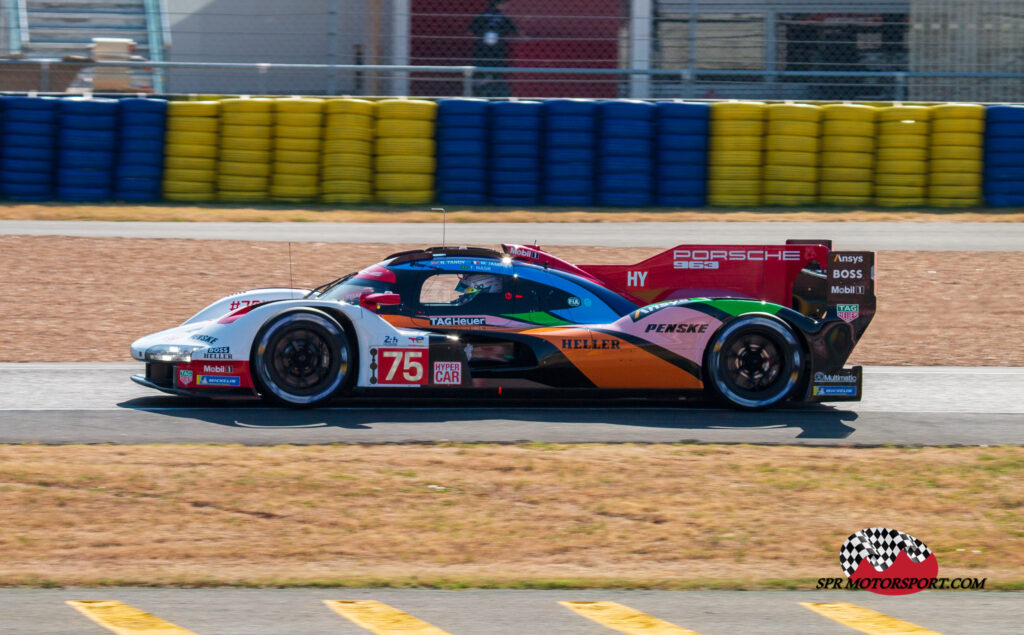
(759, 272)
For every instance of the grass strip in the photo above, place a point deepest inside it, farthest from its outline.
(495, 516)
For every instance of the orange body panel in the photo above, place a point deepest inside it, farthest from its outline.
(612, 362)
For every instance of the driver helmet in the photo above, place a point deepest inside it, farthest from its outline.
(472, 284)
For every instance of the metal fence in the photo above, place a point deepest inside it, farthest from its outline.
(871, 50)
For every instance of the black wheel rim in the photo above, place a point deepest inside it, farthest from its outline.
(753, 363)
(302, 361)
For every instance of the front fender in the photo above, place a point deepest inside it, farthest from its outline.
(245, 299)
(370, 331)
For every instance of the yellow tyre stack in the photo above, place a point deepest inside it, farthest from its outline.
(791, 154)
(298, 128)
(955, 153)
(346, 174)
(734, 160)
(846, 175)
(190, 151)
(405, 151)
(901, 157)
(246, 142)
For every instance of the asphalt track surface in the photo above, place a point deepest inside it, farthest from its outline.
(500, 612)
(873, 236)
(60, 403)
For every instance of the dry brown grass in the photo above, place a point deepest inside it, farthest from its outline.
(84, 299)
(383, 214)
(704, 515)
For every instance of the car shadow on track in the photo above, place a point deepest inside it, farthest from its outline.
(482, 419)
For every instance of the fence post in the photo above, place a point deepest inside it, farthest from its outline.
(640, 48)
(691, 43)
(264, 68)
(333, 15)
(770, 46)
(400, 46)
(901, 86)
(467, 82)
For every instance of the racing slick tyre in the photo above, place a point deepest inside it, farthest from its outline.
(302, 358)
(753, 362)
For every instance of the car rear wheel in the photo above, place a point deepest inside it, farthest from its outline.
(302, 359)
(754, 362)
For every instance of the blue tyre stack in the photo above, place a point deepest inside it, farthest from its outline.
(462, 133)
(88, 147)
(570, 140)
(28, 143)
(626, 154)
(1004, 156)
(140, 159)
(515, 153)
(681, 155)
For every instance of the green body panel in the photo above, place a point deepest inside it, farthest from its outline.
(739, 307)
(537, 317)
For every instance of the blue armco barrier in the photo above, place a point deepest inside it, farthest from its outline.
(626, 154)
(570, 139)
(138, 173)
(515, 153)
(681, 154)
(28, 139)
(463, 127)
(88, 147)
(625, 167)
(1004, 156)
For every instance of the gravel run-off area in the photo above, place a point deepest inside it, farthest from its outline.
(86, 299)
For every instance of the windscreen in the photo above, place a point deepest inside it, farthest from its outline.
(350, 289)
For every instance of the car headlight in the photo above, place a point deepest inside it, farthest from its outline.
(171, 352)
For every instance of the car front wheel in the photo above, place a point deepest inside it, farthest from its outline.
(302, 359)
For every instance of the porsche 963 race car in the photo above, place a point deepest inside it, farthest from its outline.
(751, 326)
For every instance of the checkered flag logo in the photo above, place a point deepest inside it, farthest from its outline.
(880, 546)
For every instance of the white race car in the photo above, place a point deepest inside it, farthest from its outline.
(751, 325)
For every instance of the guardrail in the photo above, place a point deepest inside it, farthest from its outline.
(681, 82)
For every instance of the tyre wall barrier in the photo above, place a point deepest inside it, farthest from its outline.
(298, 134)
(1003, 157)
(556, 152)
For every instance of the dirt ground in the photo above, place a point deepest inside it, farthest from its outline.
(485, 515)
(85, 299)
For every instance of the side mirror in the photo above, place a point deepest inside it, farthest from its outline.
(372, 301)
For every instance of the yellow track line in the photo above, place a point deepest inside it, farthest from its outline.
(126, 620)
(865, 620)
(624, 619)
(381, 619)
